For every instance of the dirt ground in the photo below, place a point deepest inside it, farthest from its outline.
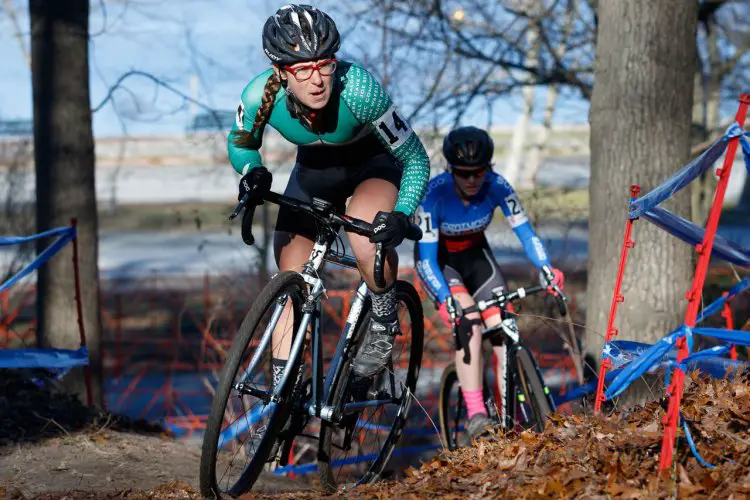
(105, 462)
(52, 446)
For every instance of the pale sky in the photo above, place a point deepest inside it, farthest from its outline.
(216, 40)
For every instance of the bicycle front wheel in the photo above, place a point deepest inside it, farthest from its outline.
(532, 408)
(244, 421)
(358, 449)
(452, 407)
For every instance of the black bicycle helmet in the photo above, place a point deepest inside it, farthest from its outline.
(470, 146)
(307, 29)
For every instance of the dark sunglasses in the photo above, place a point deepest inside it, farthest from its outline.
(466, 173)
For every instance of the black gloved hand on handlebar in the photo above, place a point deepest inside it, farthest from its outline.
(390, 228)
(256, 183)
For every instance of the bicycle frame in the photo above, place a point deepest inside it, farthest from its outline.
(320, 405)
(513, 344)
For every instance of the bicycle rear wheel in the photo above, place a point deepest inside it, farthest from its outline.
(372, 433)
(259, 419)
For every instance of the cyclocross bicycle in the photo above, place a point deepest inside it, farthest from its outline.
(526, 402)
(253, 423)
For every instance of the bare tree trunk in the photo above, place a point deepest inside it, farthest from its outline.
(534, 162)
(64, 157)
(708, 92)
(512, 171)
(640, 134)
(18, 33)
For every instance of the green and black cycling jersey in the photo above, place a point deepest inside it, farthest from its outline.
(359, 108)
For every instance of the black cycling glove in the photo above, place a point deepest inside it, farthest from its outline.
(390, 228)
(256, 183)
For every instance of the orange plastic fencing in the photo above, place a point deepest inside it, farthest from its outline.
(165, 339)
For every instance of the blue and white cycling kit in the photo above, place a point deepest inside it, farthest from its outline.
(453, 254)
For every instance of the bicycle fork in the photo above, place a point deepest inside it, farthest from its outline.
(516, 397)
(319, 404)
(307, 316)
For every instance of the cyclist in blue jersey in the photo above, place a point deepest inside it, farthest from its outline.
(454, 261)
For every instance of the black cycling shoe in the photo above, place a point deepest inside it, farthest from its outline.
(477, 428)
(376, 348)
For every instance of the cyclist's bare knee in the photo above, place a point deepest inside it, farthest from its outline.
(466, 300)
(371, 197)
(291, 250)
(493, 320)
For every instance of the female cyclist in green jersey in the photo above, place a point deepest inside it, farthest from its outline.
(352, 143)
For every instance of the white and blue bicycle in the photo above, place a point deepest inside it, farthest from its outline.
(254, 422)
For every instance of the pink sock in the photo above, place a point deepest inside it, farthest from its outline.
(474, 402)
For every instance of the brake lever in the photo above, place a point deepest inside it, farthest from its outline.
(239, 207)
(456, 311)
(379, 270)
(561, 300)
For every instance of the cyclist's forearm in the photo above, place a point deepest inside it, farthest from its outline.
(242, 159)
(413, 157)
(532, 245)
(429, 270)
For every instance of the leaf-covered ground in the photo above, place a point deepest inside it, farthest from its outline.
(576, 457)
(590, 457)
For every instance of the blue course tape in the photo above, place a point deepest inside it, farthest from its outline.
(44, 358)
(406, 431)
(66, 236)
(308, 468)
(17, 240)
(691, 443)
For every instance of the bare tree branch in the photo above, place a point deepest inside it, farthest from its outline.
(17, 31)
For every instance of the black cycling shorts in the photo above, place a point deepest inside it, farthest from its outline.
(473, 271)
(332, 173)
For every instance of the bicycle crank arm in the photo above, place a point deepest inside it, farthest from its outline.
(264, 396)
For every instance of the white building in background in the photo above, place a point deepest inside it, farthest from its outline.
(194, 167)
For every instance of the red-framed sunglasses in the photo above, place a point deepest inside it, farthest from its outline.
(326, 67)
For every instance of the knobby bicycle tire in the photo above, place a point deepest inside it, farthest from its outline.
(405, 293)
(447, 381)
(287, 283)
(532, 387)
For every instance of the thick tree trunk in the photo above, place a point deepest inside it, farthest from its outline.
(640, 134)
(64, 157)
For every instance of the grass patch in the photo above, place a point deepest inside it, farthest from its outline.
(187, 217)
(542, 204)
